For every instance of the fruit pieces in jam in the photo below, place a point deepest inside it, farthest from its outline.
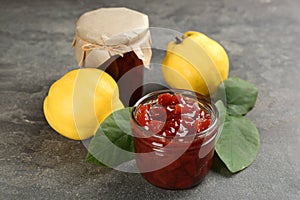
(171, 119)
(173, 114)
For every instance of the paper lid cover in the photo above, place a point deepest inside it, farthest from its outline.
(106, 32)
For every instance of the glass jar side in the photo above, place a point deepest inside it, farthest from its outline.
(174, 162)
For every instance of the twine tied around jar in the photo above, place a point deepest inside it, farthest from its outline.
(112, 49)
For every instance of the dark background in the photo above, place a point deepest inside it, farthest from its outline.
(262, 40)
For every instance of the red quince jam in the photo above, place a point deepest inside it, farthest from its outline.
(173, 150)
(173, 115)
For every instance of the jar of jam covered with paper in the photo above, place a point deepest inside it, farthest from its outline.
(116, 40)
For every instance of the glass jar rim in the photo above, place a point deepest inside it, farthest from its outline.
(188, 93)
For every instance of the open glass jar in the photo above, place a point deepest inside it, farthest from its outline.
(174, 134)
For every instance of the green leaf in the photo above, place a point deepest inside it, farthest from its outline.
(238, 95)
(90, 158)
(222, 114)
(113, 143)
(238, 145)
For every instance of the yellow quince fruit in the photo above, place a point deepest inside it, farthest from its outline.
(195, 62)
(79, 101)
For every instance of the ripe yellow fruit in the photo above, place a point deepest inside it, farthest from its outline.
(196, 62)
(79, 101)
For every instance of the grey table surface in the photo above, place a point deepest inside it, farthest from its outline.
(262, 40)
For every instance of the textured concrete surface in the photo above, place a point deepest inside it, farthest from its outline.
(262, 39)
